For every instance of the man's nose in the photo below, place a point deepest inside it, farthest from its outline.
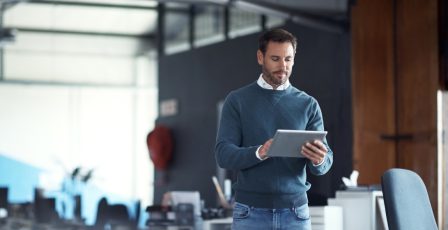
(283, 63)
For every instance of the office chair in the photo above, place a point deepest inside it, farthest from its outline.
(111, 216)
(406, 201)
(116, 216)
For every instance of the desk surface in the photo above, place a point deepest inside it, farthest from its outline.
(221, 223)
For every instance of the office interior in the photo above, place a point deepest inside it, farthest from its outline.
(83, 83)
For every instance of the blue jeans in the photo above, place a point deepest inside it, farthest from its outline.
(247, 218)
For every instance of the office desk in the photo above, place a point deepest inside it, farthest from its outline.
(12, 223)
(212, 224)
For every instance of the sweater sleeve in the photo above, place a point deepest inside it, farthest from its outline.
(316, 122)
(228, 150)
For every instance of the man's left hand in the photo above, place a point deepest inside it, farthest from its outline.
(315, 151)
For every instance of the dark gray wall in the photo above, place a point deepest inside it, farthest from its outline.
(202, 77)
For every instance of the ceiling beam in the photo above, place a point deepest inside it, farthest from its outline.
(73, 32)
(68, 84)
(92, 4)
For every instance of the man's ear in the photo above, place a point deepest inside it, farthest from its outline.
(260, 57)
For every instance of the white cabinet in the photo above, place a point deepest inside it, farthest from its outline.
(326, 217)
(360, 209)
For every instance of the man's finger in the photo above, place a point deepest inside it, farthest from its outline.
(313, 148)
(315, 158)
(320, 144)
(314, 151)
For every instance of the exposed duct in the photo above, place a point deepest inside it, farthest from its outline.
(330, 15)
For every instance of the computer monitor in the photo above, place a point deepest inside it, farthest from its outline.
(191, 197)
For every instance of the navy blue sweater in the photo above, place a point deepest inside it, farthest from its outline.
(250, 116)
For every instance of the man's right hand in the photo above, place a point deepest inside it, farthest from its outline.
(264, 149)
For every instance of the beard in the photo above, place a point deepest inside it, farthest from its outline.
(275, 78)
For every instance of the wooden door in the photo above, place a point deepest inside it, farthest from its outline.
(394, 88)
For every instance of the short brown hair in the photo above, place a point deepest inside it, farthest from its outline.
(276, 35)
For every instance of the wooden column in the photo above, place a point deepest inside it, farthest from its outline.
(417, 83)
(373, 88)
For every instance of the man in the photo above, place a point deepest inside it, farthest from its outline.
(270, 193)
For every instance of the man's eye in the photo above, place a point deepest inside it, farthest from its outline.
(274, 59)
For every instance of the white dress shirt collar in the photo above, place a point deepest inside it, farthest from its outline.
(263, 84)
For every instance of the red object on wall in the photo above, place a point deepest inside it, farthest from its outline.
(160, 146)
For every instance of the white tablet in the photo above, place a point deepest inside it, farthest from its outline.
(288, 143)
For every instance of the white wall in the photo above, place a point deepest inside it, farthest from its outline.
(58, 128)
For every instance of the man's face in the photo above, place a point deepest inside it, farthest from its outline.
(277, 62)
